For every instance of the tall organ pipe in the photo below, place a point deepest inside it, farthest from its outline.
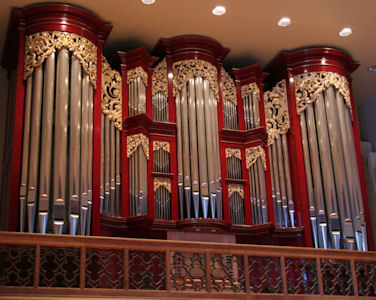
(60, 151)
(46, 144)
(74, 145)
(25, 153)
(90, 160)
(34, 147)
(338, 166)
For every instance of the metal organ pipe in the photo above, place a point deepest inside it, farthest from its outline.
(46, 143)
(74, 145)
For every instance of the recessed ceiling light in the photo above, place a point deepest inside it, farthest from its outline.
(284, 22)
(372, 68)
(147, 2)
(219, 10)
(345, 32)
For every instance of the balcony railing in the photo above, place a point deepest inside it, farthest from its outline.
(35, 264)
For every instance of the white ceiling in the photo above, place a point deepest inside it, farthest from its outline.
(248, 28)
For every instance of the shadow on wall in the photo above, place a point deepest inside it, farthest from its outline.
(367, 121)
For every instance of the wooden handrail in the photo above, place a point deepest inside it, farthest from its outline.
(119, 266)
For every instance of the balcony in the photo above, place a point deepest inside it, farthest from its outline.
(35, 265)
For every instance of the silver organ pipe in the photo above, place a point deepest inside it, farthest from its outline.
(110, 184)
(198, 150)
(161, 160)
(46, 143)
(277, 119)
(256, 165)
(236, 202)
(137, 94)
(160, 107)
(230, 108)
(138, 154)
(162, 198)
(57, 127)
(329, 155)
(250, 96)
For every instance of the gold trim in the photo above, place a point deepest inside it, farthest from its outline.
(235, 188)
(111, 93)
(249, 89)
(160, 181)
(186, 69)
(309, 85)
(252, 154)
(40, 45)
(159, 78)
(233, 152)
(133, 141)
(276, 111)
(137, 72)
(228, 87)
(165, 146)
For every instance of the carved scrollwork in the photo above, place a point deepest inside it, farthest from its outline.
(137, 72)
(228, 87)
(40, 45)
(250, 89)
(233, 152)
(187, 69)
(276, 111)
(252, 154)
(159, 78)
(160, 181)
(111, 93)
(135, 140)
(235, 188)
(165, 146)
(309, 85)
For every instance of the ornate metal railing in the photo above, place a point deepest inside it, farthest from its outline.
(36, 264)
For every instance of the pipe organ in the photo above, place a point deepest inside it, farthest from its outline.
(173, 142)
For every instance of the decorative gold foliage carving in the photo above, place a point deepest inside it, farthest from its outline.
(233, 152)
(252, 154)
(250, 89)
(160, 181)
(228, 87)
(111, 93)
(276, 111)
(135, 140)
(157, 145)
(137, 72)
(159, 78)
(40, 45)
(235, 188)
(309, 85)
(187, 69)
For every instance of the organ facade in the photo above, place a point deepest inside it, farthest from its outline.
(171, 142)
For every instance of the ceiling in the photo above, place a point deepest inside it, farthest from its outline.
(248, 28)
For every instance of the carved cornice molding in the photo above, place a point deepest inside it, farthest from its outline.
(137, 72)
(165, 146)
(276, 111)
(135, 140)
(159, 78)
(186, 69)
(252, 154)
(249, 89)
(111, 93)
(40, 45)
(235, 188)
(228, 87)
(233, 152)
(309, 85)
(161, 181)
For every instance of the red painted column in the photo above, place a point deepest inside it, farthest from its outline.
(17, 141)
(297, 165)
(149, 94)
(367, 216)
(150, 178)
(174, 181)
(124, 158)
(241, 119)
(171, 99)
(97, 113)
